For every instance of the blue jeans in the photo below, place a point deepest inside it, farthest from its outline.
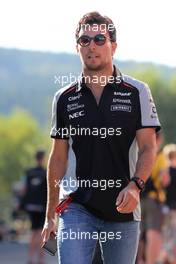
(79, 231)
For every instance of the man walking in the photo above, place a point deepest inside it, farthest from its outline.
(112, 121)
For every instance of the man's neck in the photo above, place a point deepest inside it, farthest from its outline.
(98, 79)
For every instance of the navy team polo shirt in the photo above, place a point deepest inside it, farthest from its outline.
(125, 106)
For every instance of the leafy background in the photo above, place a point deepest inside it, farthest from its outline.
(27, 85)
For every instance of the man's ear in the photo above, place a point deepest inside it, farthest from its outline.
(77, 48)
(114, 47)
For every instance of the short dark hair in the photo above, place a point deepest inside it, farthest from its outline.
(96, 18)
(39, 155)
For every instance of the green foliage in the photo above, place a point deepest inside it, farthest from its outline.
(20, 136)
(164, 94)
(165, 101)
(27, 81)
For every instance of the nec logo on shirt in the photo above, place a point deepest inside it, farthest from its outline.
(76, 114)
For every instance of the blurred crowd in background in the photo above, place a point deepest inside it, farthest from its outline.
(158, 204)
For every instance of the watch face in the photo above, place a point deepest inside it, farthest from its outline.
(140, 182)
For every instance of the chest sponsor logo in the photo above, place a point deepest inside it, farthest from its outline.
(122, 93)
(76, 114)
(73, 98)
(74, 106)
(117, 100)
(119, 107)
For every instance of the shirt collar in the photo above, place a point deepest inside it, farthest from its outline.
(117, 79)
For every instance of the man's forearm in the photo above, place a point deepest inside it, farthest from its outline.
(55, 172)
(145, 162)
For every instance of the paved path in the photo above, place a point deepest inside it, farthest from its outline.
(16, 253)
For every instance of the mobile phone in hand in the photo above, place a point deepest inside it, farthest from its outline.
(50, 246)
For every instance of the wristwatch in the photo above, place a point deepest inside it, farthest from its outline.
(139, 182)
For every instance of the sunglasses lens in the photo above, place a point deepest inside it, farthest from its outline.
(84, 41)
(100, 39)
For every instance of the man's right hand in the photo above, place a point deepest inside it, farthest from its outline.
(48, 228)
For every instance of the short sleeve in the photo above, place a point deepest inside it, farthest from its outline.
(58, 129)
(148, 116)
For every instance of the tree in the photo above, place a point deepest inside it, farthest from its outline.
(164, 93)
(20, 136)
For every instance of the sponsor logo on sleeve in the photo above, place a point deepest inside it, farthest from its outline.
(154, 112)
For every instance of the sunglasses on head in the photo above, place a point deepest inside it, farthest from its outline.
(85, 40)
